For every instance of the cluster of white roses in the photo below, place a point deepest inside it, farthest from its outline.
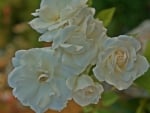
(46, 78)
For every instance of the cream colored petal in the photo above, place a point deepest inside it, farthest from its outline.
(83, 82)
(48, 36)
(48, 14)
(129, 39)
(16, 60)
(39, 25)
(141, 66)
(54, 4)
(57, 25)
(100, 72)
(71, 82)
(63, 36)
(132, 56)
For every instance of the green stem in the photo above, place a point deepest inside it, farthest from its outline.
(141, 107)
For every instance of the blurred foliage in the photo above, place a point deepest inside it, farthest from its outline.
(109, 98)
(14, 18)
(106, 15)
(147, 50)
(144, 81)
(129, 13)
(123, 104)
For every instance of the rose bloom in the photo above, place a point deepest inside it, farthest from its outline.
(84, 90)
(38, 80)
(55, 14)
(120, 62)
(75, 33)
(81, 47)
(76, 23)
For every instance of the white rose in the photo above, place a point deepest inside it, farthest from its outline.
(84, 90)
(81, 46)
(54, 14)
(79, 51)
(61, 34)
(120, 63)
(37, 80)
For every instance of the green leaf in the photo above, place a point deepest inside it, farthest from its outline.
(90, 2)
(148, 107)
(144, 81)
(147, 50)
(103, 111)
(88, 109)
(142, 105)
(106, 15)
(109, 98)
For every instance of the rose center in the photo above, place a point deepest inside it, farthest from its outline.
(56, 17)
(43, 77)
(89, 91)
(121, 58)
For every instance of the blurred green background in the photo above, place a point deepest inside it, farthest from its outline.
(129, 13)
(15, 33)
